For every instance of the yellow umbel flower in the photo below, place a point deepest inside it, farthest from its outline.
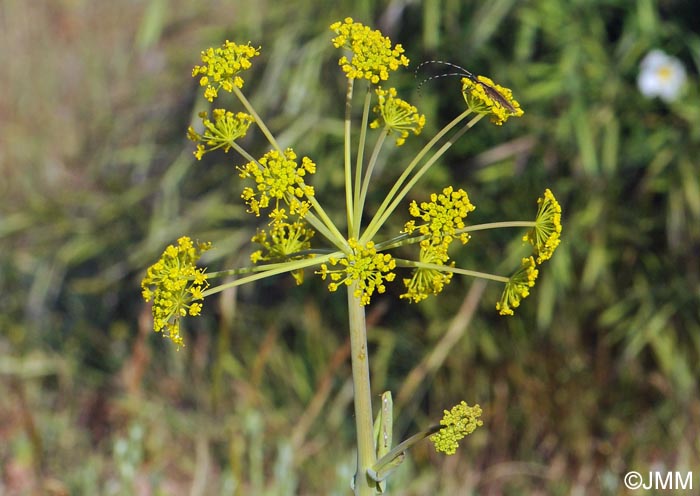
(283, 242)
(279, 179)
(518, 287)
(441, 218)
(458, 423)
(221, 67)
(428, 281)
(483, 96)
(397, 115)
(443, 215)
(226, 128)
(364, 265)
(545, 236)
(372, 54)
(175, 284)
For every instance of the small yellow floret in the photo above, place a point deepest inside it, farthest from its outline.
(545, 236)
(279, 180)
(175, 285)
(458, 423)
(397, 115)
(518, 287)
(483, 96)
(363, 265)
(372, 55)
(221, 67)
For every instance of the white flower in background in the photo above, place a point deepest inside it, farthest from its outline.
(661, 75)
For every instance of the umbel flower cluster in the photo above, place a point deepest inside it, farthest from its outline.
(296, 235)
(278, 188)
(457, 423)
(175, 285)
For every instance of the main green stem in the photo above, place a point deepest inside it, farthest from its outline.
(366, 454)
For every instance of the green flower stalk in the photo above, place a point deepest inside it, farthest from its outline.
(300, 236)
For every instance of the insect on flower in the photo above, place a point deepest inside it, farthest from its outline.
(490, 90)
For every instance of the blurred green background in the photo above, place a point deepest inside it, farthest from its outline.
(596, 374)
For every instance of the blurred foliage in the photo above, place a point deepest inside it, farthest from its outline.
(596, 374)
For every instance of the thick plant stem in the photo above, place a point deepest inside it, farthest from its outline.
(366, 455)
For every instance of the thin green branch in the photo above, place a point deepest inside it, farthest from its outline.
(269, 270)
(357, 205)
(497, 225)
(386, 461)
(377, 221)
(261, 124)
(244, 153)
(370, 169)
(401, 262)
(347, 157)
(325, 225)
(409, 239)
